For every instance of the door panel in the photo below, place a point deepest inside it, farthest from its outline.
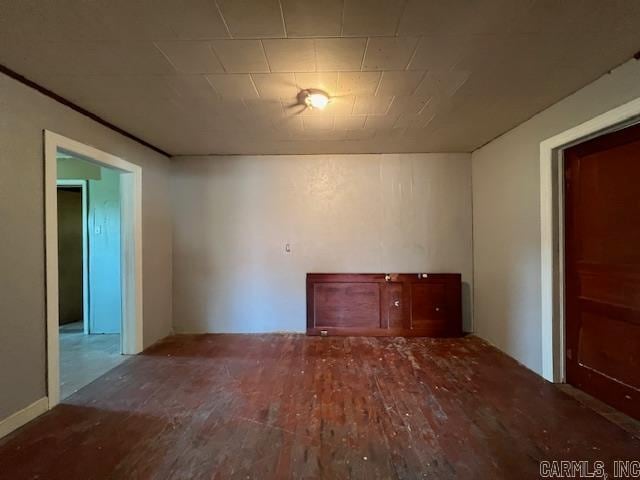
(427, 305)
(354, 305)
(602, 257)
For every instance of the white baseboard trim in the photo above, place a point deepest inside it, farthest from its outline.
(24, 416)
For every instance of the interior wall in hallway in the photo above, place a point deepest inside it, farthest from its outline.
(506, 216)
(105, 284)
(24, 115)
(233, 217)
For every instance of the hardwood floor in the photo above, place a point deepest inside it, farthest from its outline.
(290, 406)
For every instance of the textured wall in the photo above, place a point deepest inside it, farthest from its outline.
(24, 114)
(340, 213)
(506, 216)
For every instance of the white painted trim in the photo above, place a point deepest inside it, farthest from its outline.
(131, 206)
(551, 228)
(131, 266)
(24, 416)
(85, 249)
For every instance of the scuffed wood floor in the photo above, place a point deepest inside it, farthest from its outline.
(296, 407)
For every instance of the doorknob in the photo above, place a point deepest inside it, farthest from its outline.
(396, 303)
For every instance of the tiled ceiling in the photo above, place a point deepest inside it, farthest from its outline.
(206, 76)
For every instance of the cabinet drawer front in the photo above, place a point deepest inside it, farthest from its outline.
(347, 305)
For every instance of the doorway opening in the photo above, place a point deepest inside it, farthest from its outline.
(94, 263)
(89, 271)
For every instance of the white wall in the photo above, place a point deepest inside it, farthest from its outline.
(506, 216)
(24, 114)
(340, 213)
(105, 282)
(70, 168)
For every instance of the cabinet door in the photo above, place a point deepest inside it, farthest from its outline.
(428, 306)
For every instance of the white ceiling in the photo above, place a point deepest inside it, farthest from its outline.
(205, 76)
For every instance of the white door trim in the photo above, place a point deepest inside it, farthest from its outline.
(131, 228)
(552, 224)
(85, 248)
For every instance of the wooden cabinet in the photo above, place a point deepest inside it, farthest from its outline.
(378, 304)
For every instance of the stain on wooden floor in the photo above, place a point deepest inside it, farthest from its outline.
(295, 407)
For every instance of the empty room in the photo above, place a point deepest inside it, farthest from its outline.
(319, 239)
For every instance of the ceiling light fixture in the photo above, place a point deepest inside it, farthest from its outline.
(316, 99)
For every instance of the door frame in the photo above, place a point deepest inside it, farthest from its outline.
(131, 251)
(85, 247)
(552, 229)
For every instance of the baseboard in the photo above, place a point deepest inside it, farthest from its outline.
(24, 416)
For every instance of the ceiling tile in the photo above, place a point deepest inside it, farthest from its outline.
(241, 56)
(349, 122)
(194, 86)
(89, 58)
(380, 122)
(399, 83)
(363, 134)
(371, 17)
(408, 105)
(139, 58)
(339, 54)
(252, 18)
(437, 82)
(389, 53)
(428, 18)
(441, 51)
(192, 19)
(312, 18)
(319, 122)
(191, 56)
(366, 105)
(486, 17)
(290, 55)
(292, 124)
(358, 83)
(326, 81)
(340, 105)
(392, 133)
(233, 85)
(261, 107)
(410, 121)
(276, 85)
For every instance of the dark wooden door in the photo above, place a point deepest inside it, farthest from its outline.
(70, 271)
(602, 256)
